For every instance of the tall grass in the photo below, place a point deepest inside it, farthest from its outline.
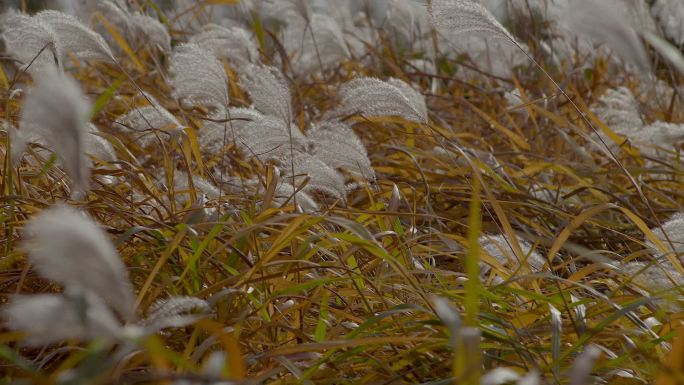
(384, 281)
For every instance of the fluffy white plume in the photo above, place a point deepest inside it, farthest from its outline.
(268, 138)
(189, 15)
(674, 228)
(198, 78)
(24, 38)
(116, 13)
(177, 311)
(499, 247)
(51, 318)
(322, 178)
(211, 138)
(494, 57)
(407, 20)
(287, 9)
(181, 187)
(608, 21)
(17, 142)
(670, 16)
(136, 25)
(233, 43)
(68, 247)
(416, 99)
(97, 146)
(57, 111)
(174, 306)
(500, 376)
(664, 135)
(75, 37)
(285, 193)
(268, 90)
(339, 147)
(457, 17)
(374, 97)
(150, 30)
(147, 119)
(653, 277)
(618, 109)
(314, 43)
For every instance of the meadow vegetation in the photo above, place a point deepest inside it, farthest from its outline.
(342, 192)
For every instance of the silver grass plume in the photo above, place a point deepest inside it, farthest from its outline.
(503, 375)
(495, 57)
(18, 142)
(619, 109)
(116, 13)
(68, 247)
(188, 15)
(322, 178)
(416, 98)
(288, 9)
(374, 97)
(655, 278)
(233, 43)
(97, 146)
(73, 36)
(336, 144)
(670, 16)
(314, 43)
(458, 17)
(181, 186)
(499, 247)
(176, 311)
(151, 30)
(137, 25)
(147, 119)
(674, 228)
(198, 78)
(285, 193)
(604, 21)
(57, 111)
(657, 135)
(268, 138)
(24, 38)
(408, 22)
(268, 90)
(211, 137)
(52, 318)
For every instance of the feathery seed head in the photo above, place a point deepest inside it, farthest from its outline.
(499, 247)
(608, 22)
(670, 16)
(268, 90)
(31, 43)
(374, 97)
(73, 36)
(52, 318)
(147, 119)
(336, 144)
(458, 17)
(198, 78)
(68, 247)
(233, 43)
(57, 111)
(322, 178)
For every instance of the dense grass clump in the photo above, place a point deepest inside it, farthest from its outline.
(215, 192)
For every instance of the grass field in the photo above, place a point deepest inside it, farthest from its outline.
(522, 228)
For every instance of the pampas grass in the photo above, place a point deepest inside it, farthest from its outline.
(340, 192)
